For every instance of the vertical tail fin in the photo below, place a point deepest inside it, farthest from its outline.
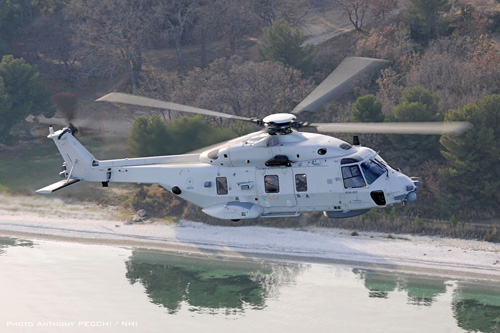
(78, 159)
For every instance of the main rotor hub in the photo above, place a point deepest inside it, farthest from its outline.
(279, 123)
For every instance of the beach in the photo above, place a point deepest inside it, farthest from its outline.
(35, 217)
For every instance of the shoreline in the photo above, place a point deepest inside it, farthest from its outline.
(252, 257)
(45, 219)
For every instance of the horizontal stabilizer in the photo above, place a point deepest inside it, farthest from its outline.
(57, 186)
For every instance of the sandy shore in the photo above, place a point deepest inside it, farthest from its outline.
(52, 219)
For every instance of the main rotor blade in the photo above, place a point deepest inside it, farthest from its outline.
(423, 128)
(338, 82)
(227, 143)
(154, 103)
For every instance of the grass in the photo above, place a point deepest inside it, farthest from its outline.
(35, 165)
(29, 168)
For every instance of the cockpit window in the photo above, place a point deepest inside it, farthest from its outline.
(352, 177)
(372, 169)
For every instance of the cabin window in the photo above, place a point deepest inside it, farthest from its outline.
(352, 177)
(301, 182)
(221, 183)
(271, 183)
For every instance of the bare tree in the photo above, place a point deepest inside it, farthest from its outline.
(390, 43)
(110, 33)
(355, 10)
(379, 8)
(293, 11)
(243, 88)
(235, 19)
(461, 69)
(55, 55)
(206, 28)
(174, 17)
(390, 89)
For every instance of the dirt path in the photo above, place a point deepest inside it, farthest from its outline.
(323, 24)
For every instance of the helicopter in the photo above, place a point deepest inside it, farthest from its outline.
(278, 171)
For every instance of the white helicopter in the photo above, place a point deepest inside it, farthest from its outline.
(275, 172)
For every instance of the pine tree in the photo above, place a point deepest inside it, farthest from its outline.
(473, 171)
(367, 109)
(150, 136)
(283, 45)
(427, 15)
(25, 94)
(5, 110)
(418, 105)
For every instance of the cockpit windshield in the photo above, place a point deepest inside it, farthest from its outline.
(360, 174)
(372, 169)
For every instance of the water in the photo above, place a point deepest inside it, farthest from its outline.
(67, 287)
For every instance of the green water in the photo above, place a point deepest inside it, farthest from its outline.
(66, 287)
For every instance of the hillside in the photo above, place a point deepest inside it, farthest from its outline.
(436, 66)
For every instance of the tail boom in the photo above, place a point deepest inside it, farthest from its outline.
(80, 164)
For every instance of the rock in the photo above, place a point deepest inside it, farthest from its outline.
(137, 218)
(128, 222)
(142, 213)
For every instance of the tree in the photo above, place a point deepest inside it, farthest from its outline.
(23, 92)
(235, 19)
(390, 42)
(293, 11)
(462, 69)
(111, 33)
(283, 45)
(173, 18)
(367, 109)
(148, 137)
(13, 16)
(243, 88)
(151, 136)
(380, 8)
(19, 18)
(417, 105)
(4, 12)
(426, 16)
(190, 133)
(205, 27)
(355, 10)
(48, 36)
(473, 171)
(5, 114)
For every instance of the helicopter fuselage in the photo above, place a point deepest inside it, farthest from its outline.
(257, 175)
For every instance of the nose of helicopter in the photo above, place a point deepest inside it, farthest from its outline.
(411, 185)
